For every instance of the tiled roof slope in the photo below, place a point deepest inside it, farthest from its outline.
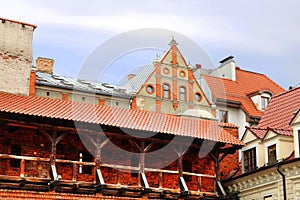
(245, 84)
(113, 116)
(281, 110)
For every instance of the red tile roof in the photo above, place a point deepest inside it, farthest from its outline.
(238, 91)
(258, 132)
(281, 110)
(119, 117)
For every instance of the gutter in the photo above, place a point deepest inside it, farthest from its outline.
(283, 181)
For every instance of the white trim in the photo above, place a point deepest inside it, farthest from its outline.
(296, 142)
(267, 145)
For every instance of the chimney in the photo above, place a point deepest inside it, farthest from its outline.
(45, 65)
(130, 76)
(198, 66)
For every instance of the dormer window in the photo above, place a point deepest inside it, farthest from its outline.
(264, 102)
(250, 160)
(272, 154)
(223, 116)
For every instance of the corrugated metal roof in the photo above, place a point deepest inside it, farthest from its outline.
(137, 82)
(82, 85)
(118, 117)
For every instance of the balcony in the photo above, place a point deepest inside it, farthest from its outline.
(40, 174)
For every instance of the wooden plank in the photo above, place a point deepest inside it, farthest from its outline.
(100, 177)
(144, 180)
(183, 184)
(22, 168)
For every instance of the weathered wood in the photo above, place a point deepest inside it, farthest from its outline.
(100, 177)
(22, 168)
(74, 172)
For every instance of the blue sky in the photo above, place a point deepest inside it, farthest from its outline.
(263, 36)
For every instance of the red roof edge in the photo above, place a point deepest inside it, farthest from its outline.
(18, 22)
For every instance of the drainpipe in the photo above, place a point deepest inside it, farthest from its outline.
(283, 181)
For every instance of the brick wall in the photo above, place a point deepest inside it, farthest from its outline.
(33, 143)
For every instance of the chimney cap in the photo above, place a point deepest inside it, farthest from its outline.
(226, 59)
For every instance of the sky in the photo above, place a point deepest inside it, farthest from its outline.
(262, 35)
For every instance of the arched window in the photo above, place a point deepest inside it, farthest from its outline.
(182, 92)
(167, 91)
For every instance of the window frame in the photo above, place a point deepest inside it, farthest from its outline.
(168, 91)
(264, 102)
(251, 158)
(221, 116)
(184, 93)
(272, 159)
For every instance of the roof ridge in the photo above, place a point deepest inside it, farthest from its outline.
(285, 92)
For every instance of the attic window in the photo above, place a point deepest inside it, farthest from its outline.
(47, 94)
(264, 102)
(182, 92)
(223, 116)
(250, 160)
(272, 154)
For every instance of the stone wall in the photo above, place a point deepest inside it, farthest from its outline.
(15, 56)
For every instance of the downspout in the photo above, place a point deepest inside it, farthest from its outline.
(283, 181)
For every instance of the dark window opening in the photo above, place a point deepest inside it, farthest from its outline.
(167, 91)
(264, 102)
(299, 141)
(250, 160)
(223, 116)
(272, 154)
(47, 94)
(15, 150)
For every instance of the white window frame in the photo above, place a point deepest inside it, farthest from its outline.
(250, 146)
(267, 145)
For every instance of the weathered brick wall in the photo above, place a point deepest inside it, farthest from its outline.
(32, 195)
(230, 162)
(33, 143)
(15, 57)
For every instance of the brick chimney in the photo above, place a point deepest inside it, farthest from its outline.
(198, 66)
(45, 65)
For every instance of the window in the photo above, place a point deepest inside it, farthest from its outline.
(47, 94)
(264, 102)
(269, 197)
(150, 89)
(166, 91)
(299, 140)
(182, 92)
(272, 154)
(85, 157)
(223, 116)
(15, 150)
(250, 160)
(198, 97)
(182, 73)
(83, 99)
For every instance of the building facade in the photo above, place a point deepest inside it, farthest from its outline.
(270, 159)
(154, 138)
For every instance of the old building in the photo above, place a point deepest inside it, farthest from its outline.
(240, 96)
(270, 164)
(77, 139)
